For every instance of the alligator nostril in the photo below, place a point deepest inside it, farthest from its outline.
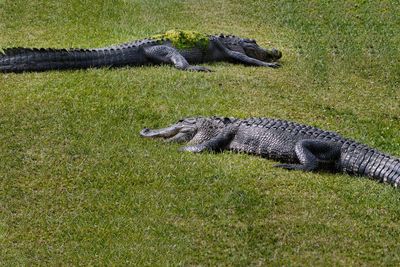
(144, 131)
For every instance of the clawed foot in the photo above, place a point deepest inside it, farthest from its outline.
(198, 68)
(193, 149)
(274, 65)
(288, 166)
(300, 167)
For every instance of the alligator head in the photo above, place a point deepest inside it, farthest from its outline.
(250, 48)
(192, 130)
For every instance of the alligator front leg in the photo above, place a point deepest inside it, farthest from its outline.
(314, 155)
(168, 55)
(215, 144)
(244, 59)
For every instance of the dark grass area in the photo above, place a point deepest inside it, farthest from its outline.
(79, 186)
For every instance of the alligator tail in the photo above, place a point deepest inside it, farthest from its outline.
(361, 160)
(34, 59)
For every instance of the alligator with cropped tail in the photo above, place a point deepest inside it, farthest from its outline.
(297, 146)
(175, 47)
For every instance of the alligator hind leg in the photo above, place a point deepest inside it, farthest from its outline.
(314, 155)
(169, 55)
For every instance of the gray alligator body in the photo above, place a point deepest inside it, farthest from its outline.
(174, 47)
(299, 147)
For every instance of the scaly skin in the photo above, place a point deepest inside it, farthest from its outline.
(174, 47)
(297, 146)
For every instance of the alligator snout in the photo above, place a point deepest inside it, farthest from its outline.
(144, 132)
(277, 54)
(163, 132)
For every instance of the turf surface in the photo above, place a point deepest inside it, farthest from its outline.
(78, 186)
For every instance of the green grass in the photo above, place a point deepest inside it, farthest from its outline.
(78, 186)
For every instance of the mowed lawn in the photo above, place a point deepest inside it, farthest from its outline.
(78, 186)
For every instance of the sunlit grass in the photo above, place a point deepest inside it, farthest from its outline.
(79, 186)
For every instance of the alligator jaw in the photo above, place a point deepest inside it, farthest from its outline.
(163, 132)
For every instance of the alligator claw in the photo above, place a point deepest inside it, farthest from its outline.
(274, 65)
(199, 68)
(299, 167)
(287, 166)
(193, 149)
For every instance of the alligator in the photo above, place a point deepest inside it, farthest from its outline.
(176, 47)
(296, 146)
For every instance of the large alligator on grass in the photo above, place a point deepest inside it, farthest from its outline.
(299, 147)
(178, 48)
